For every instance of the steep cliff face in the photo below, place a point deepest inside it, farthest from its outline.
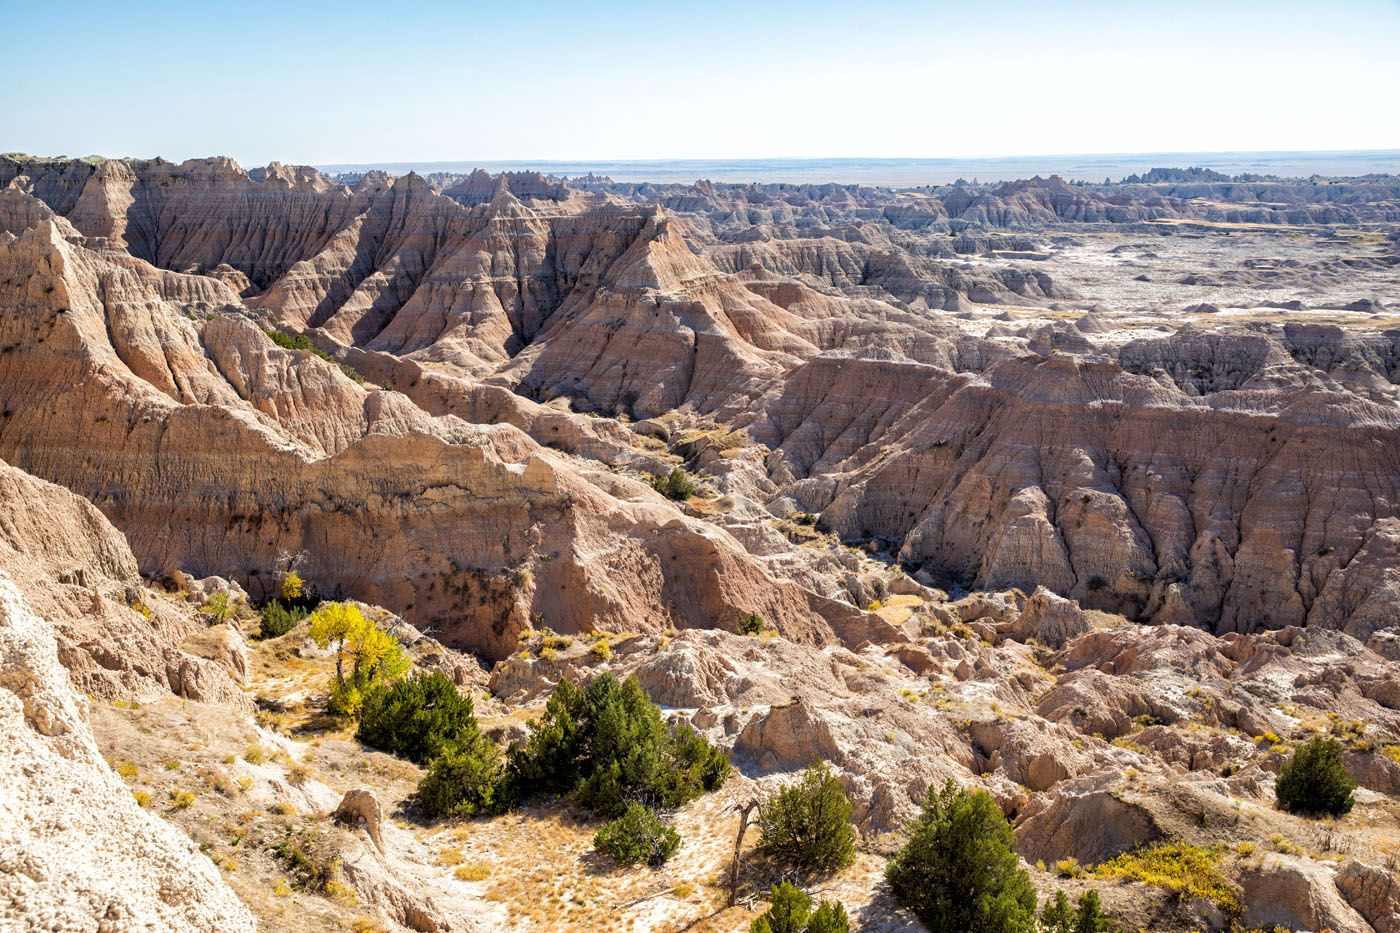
(217, 452)
(666, 329)
(1120, 491)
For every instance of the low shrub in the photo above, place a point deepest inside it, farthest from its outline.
(279, 618)
(807, 825)
(790, 911)
(608, 746)
(1086, 917)
(473, 872)
(829, 917)
(751, 624)
(675, 485)
(220, 608)
(302, 342)
(637, 837)
(1315, 782)
(290, 341)
(959, 870)
(417, 717)
(1190, 871)
(465, 780)
(312, 862)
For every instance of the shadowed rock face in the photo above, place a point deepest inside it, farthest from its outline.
(1237, 478)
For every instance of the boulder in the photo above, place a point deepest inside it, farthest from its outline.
(1051, 620)
(1295, 894)
(360, 806)
(1372, 892)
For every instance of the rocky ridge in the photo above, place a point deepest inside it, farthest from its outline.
(446, 397)
(626, 310)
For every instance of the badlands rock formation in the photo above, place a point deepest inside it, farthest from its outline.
(445, 397)
(232, 451)
(76, 851)
(1190, 478)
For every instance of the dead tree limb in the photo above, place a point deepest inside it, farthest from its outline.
(744, 811)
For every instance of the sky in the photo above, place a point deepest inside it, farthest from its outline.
(406, 81)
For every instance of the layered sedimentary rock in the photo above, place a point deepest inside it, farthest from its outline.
(878, 393)
(76, 850)
(218, 452)
(1116, 489)
(1235, 477)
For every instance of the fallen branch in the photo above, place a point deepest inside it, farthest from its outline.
(644, 897)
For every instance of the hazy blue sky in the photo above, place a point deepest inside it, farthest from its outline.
(616, 79)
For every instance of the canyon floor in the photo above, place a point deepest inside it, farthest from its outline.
(1087, 496)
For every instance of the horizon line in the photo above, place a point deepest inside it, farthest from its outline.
(970, 158)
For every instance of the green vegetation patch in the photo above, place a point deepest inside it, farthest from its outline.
(417, 718)
(1315, 782)
(1191, 871)
(807, 825)
(606, 745)
(637, 837)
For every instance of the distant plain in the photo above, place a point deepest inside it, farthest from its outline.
(919, 172)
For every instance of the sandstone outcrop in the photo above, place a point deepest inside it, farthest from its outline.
(1373, 893)
(1049, 619)
(1296, 894)
(115, 640)
(362, 807)
(234, 451)
(1198, 514)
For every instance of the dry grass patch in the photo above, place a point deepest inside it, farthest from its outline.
(476, 871)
